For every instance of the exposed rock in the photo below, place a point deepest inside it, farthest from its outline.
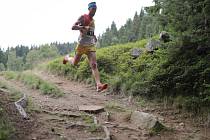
(164, 36)
(4, 90)
(152, 45)
(132, 137)
(136, 52)
(91, 108)
(203, 50)
(108, 118)
(20, 105)
(144, 120)
(81, 95)
(182, 124)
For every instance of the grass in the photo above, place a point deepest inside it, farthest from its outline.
(5, 127)
(9, 75)
(31, 107)
(141, 102)
(90, 121)
(94, 128)
(31, 81)
(114, 107)
(14, 94)
(34, 82)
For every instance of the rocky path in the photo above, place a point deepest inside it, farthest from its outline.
(60, 118)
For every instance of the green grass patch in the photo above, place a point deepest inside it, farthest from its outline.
(87, 119)
(3, 85)
(5, 127)
(141, 102)
(13, 93)
(111, 106)
(31, 107)
(10, 74)
(30, 80)
(95, 128)
(34, 82)
(90, 121)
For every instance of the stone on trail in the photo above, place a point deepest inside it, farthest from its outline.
(91, 108)
(144, 120)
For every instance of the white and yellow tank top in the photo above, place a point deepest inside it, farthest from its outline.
(88, 39)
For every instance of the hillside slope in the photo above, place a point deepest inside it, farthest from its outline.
(174, 71)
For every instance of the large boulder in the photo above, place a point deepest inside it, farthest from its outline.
(152, 45)
(145, 120)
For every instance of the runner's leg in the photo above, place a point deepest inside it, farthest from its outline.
(75, 60)
(93, 65)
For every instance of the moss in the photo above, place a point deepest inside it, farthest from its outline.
(157, 128)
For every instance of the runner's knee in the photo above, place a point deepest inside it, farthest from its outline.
(73, 62)
(94, 65)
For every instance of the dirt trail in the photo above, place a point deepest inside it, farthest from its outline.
(56, 118)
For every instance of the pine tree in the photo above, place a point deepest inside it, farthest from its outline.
(136, 26)
(114, 34)
(186, 17)
(3, 57)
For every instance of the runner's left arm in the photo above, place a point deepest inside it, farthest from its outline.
(78, 25)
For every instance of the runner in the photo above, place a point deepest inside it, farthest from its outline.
(86, 44)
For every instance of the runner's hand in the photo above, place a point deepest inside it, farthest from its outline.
(84, 29)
